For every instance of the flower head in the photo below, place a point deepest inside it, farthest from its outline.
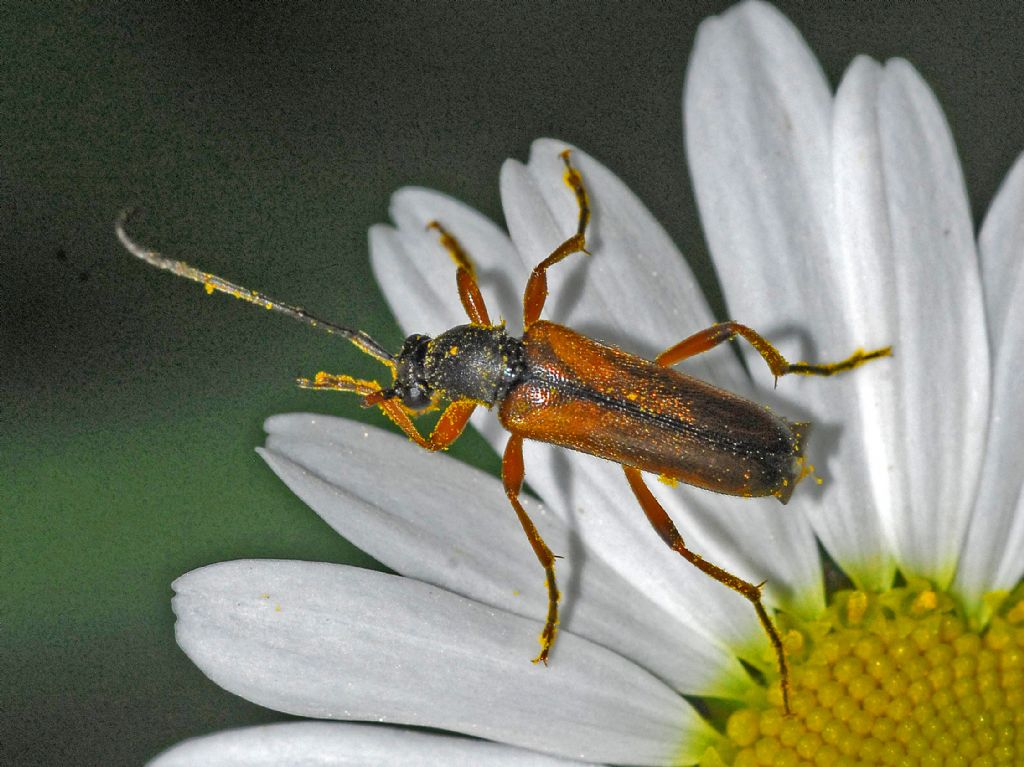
(835, 221)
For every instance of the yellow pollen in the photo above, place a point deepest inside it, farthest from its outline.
(897, 678)
(924, 602)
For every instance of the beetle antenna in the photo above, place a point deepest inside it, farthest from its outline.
(214, 283)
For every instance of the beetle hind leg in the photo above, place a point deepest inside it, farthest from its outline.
(856, 359)
(664, 526)
(709, 338)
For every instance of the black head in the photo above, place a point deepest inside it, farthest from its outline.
(411, 386)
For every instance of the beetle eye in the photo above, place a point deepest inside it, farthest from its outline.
(416, 398)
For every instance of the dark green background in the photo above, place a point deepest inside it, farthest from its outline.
(262, 145)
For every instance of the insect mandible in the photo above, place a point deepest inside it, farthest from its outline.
(558, 386)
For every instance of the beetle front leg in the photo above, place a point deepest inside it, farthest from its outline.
(724, 331)
(449, 426)
(512, 476)
(664, 526)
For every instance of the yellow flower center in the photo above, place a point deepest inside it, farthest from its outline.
(897, 678)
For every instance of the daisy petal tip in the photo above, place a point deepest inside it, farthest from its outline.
(855, 104)
(378, 231)
(759, 17)
(381, 240)
(545, 148)
(408, 209)
(546, 157)
(272, 423)
(901, 67)
(862, 65)
(510, 165)
(401, 199)
(901, 74)
(190, 583)
(275, 461)
(755, 9)
(513, 172)
(292, 423)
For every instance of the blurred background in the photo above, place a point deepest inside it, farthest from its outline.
(261, 144)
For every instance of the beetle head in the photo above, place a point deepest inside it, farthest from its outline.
(411, 385)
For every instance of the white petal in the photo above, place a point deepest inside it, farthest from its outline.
(440, 521)
(861, 537)
(1001, 243)
(942, 363)
(991, 557)
(760, 190)
(758, 125)
(758, 135)
(330, 744)
(330, 641)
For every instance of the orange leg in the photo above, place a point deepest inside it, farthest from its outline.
(664, 526)
(465, 277)
(779, 365)
(537, 286)
(447, 429)
(512, 477)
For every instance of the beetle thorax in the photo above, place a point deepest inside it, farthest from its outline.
(473, 362)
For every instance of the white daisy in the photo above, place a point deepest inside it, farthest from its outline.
(835, 221)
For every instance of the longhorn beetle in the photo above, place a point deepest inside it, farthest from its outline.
(558, 386)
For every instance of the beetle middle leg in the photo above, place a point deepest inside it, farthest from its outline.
(779, 365)
(537, 286)
(666, 528)
(512, 476)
